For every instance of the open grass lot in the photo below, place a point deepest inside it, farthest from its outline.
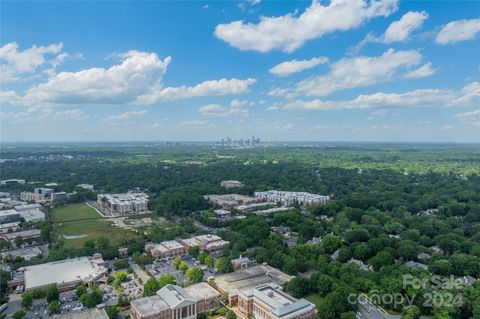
(73, 212)
(84, 223)
(314, 298)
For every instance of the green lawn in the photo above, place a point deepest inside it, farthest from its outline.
(73, 212)
(83, 221)
(314, 298)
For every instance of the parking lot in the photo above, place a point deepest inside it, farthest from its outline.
(160, 267)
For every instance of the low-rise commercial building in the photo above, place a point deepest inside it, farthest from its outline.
(292, 198)
(166, 249)
(208, 243)
(24, 234)
(32, 215)
(9, 219)
(65, 274)
(27, 253)
(131, 202)
(175, 302)
(268, 301)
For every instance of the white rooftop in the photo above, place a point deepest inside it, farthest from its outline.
(64, 271)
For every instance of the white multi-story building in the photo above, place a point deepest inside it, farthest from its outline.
(86, 187)
(131, 202)
(231, 184)
(12, 181)
(292, 198)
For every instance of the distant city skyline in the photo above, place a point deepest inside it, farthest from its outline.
(329, 71)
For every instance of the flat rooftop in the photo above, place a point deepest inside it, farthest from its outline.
(279, 302)
(59, 272)
(149, 306)
(87, 314)
(249, 278)
(171, 244)
(8, 212)
(201, 290)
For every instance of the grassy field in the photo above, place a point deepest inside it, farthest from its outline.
(314, 298)
(85, 223)
(73, 212)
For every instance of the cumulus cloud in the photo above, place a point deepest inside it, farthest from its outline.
(123, 117)
(400, 31)
(422, 72)
(294, 66)
(359, 72)
(207, 88)
(289, 32)
(137, 79)
(16, 63)
(397, 31)
(238, 103)
(459, 30)
(33, 114)
(467, 96)
(216, 110)
(193, 123)
(471, 117)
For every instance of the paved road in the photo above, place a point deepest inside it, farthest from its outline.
(367, 310)
(140, 273)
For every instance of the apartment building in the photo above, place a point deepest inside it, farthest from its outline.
(131, 202)
(230, 200)
(231, 184)
(32, 197)
(292, 198)
(175, 302)
(269, 301)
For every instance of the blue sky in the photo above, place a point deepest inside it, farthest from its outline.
(341, 70)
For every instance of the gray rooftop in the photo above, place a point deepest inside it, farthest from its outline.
(249, 278)
(175, 296)
(149, 306)
(279, 302)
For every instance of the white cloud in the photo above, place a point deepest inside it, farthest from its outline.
(193, 123)
(138, 73)
(16, 63)
(400, 31)
(238, 103)
(216, 110)
(136, 80)
(207, 88)
(459, 30)
(423, 71)
(359, 72)
(254, 2)
(290, 32)
(33, 114)
(447, 126)
(467, 96)
(294, 66)
(123, 117)
(397, 31)
(471, 117)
